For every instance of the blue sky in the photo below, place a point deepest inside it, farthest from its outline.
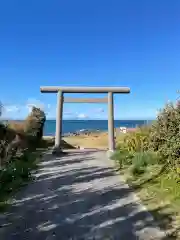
(89, 43)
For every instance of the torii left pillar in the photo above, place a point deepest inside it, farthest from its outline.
(59, 115)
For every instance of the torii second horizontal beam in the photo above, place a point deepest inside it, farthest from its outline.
(85, 100)
(55, 89)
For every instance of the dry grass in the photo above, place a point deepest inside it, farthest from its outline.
(18, 127)
(94, 140)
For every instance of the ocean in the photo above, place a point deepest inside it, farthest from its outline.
(70, 126)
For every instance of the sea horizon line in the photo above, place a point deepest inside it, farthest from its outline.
(85, 119)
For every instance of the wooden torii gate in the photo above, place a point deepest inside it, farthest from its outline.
(61, 99)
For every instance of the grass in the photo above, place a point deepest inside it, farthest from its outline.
(10, 186)
(159, 191)
(94, 140)
(155, 184)
(16, 175)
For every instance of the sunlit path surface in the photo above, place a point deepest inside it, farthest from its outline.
(78, 196)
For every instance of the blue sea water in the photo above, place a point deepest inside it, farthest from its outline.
(76, 125)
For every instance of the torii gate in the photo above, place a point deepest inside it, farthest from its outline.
(60, 100)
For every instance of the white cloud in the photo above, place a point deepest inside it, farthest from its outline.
(49, 109)
(82, 116)
(99, 110)
(69, 113)
(36, 103)
(11, 108)
(20, 111)
(11, 111)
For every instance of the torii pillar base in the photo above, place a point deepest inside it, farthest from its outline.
(57, 151)
(110, 153)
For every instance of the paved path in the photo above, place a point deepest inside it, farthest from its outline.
(78, 196)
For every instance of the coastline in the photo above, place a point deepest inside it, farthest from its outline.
(89, 132)
(69, 127)
(91, 139)
(73, 126)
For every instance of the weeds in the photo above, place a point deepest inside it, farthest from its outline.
(123, 157)
(16, 173)
(154, 166)
(137, 169)
(18, 152)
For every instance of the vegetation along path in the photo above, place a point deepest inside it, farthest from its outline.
(77, 196)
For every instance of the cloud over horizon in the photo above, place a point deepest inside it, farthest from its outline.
(99, 110)
(82, 116)
(21, 111)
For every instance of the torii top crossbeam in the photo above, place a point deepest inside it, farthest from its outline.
(50, 89)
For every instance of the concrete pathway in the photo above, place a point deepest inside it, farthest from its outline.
(78, 196)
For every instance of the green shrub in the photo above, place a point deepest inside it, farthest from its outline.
(16, 157)
(137, 170)
(140, 159)
(150, 157)
(136, 141)
(17, 171)
(158, 143)
(165, 134)
(122, 157)
(139, 162)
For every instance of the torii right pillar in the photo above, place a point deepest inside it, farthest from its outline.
(111, 139)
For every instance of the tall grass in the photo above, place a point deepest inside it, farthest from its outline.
(18, 142)
(158, 142)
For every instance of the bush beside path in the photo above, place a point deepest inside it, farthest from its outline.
(149, 160)
(19, 153)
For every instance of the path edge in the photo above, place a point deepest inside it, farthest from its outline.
(136, 198)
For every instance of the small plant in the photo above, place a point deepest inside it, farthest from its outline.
(17, 172)
(140, 163)
(136, 141)
(122, 157)
(140, 159)
(137, 170)
(149, 157)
